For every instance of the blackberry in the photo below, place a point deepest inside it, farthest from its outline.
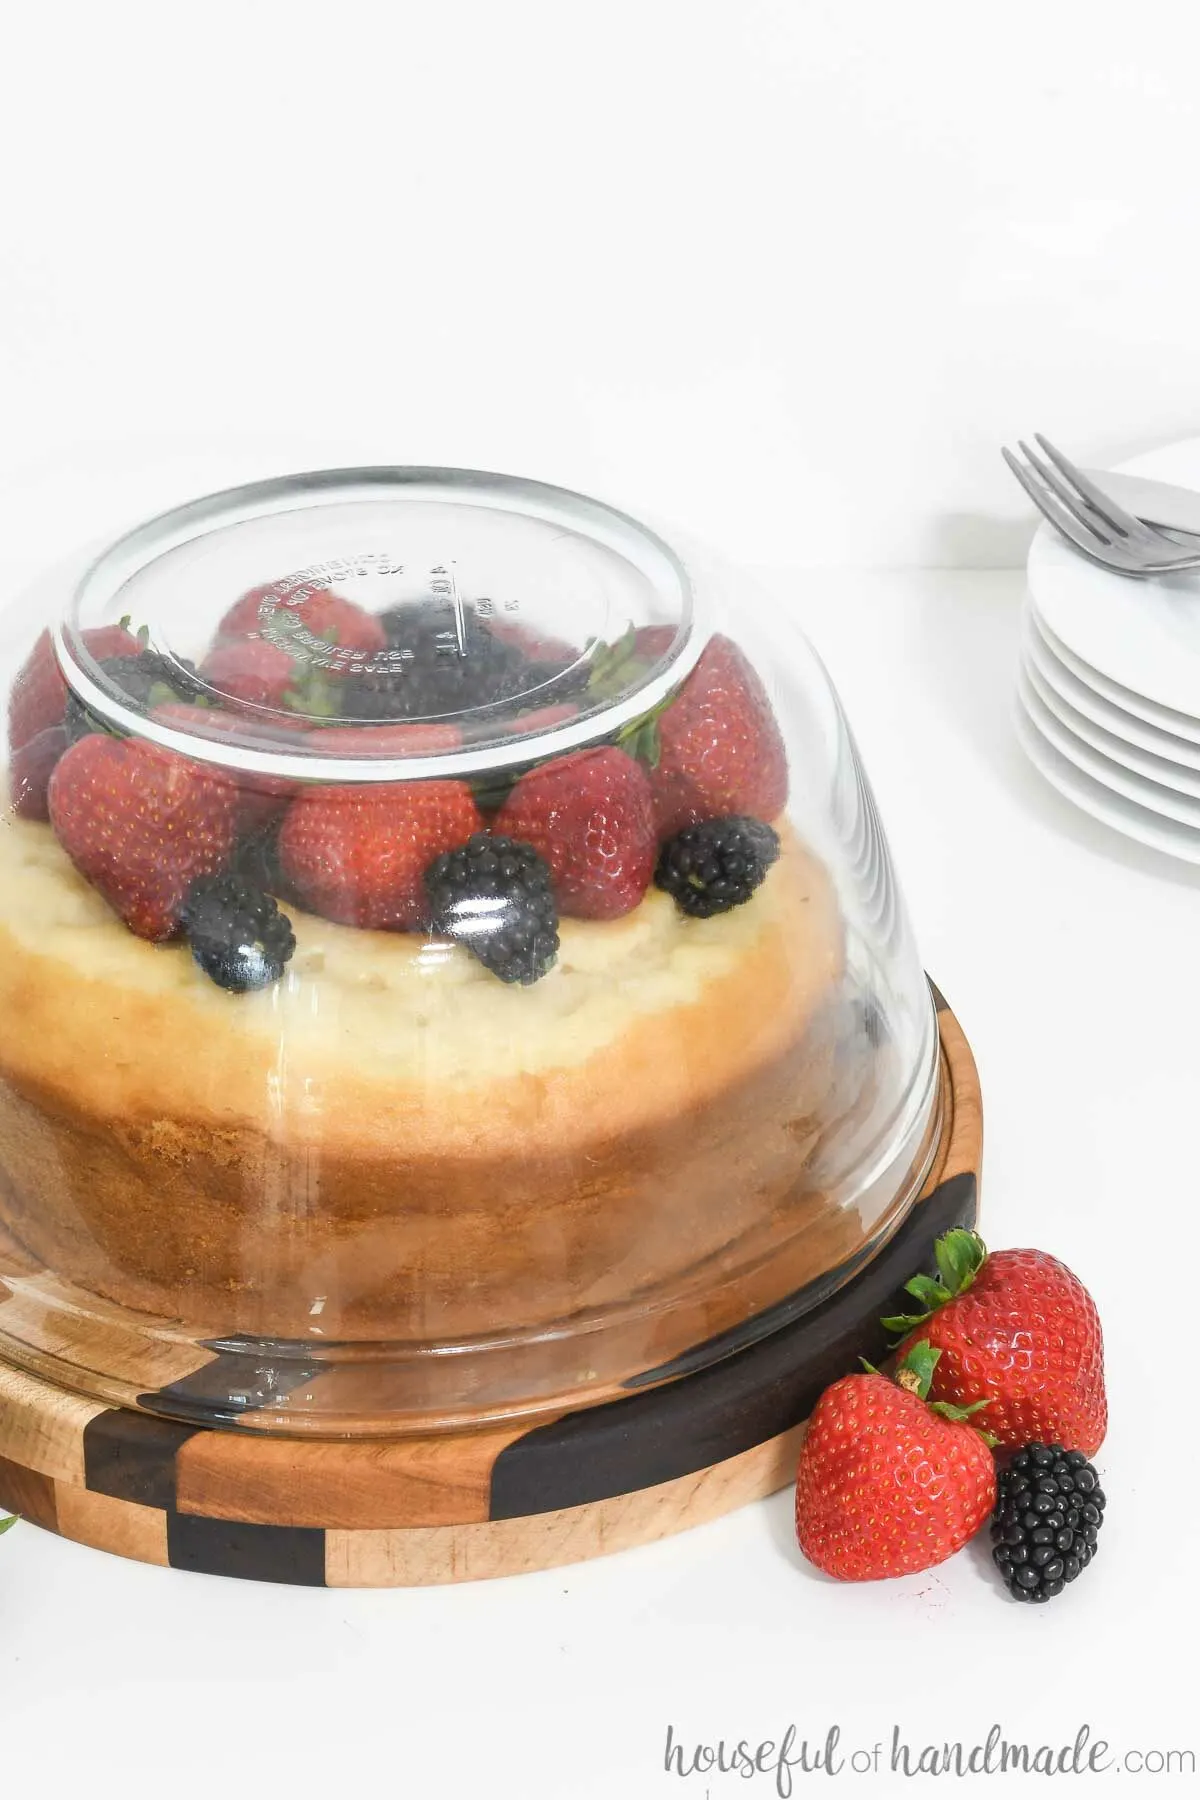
(712, 867)
(1049, 1510)
(256, 860)
(147, 679)
(435, 674)
(494, 896)
(237, 933)
(439, 674)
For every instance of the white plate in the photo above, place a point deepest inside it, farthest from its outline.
(1149, 794)
(1118, 735)
(1139, 762)
(1091, 797)
(1144, 635)
(1163, 718)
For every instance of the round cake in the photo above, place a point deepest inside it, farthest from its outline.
(388, 1143)
(454, 974)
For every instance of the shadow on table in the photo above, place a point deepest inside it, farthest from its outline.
(970, 663)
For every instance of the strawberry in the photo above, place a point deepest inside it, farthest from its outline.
(1020, 1337)
(251, 671)
(356, 854)
(543, 718)
(719, 750)
(531, 642)
(591, 816)
(261, 798)
(141, 824)
(653, 641)
(36, 711)
(385, 740)
(888, 1484)
(264, 610)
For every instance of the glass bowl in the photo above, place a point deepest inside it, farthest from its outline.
(450, 965)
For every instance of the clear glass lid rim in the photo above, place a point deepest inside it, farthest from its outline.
(278, 495)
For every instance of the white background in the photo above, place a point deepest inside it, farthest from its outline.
(788, 273)
(794, 270)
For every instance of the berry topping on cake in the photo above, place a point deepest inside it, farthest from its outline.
(256, 860)
(1018, 1331)
(441, 664)
(271, 612)
(142, 824)
(146, 680)
(250, 671)
(356, 854)
(261, 798)
(237, 933)
(591, 816)
(494, 896)
(710, 868)
(889, 1484)
(37, 712)
(1049, 1510)
(718, 749)
(535, 647)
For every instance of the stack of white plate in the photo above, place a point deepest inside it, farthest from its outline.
(1109, 685)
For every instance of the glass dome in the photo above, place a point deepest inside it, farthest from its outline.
(450, 964)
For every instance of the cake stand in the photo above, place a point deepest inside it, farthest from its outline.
(411, 1511)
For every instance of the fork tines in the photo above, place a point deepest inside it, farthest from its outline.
(1089, 518)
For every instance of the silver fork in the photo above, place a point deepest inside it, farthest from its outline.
(1085, 515)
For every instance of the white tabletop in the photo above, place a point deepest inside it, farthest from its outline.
(1073, 961)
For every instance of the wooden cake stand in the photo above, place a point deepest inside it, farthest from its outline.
(409, 1511)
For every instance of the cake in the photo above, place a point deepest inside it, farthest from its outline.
(529, 1066)
(388, 1143)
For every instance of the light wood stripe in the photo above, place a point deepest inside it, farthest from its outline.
(429, 1556)
(41, 1427)
(372, 1483)
(964, 1138)
(119, 1526)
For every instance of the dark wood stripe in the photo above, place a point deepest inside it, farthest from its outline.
(26, 1492)
(723, 1410)
(243, 1376)
(288, 1553)
(131, 1456)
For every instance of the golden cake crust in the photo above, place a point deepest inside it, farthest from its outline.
(392, 1144)
(373, 1036)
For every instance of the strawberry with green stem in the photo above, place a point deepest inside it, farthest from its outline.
(720, 751)
(1020, 1338)
(272, 613)
(291, 651)
(713, 748)
(251, 672)
(890, 1482)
